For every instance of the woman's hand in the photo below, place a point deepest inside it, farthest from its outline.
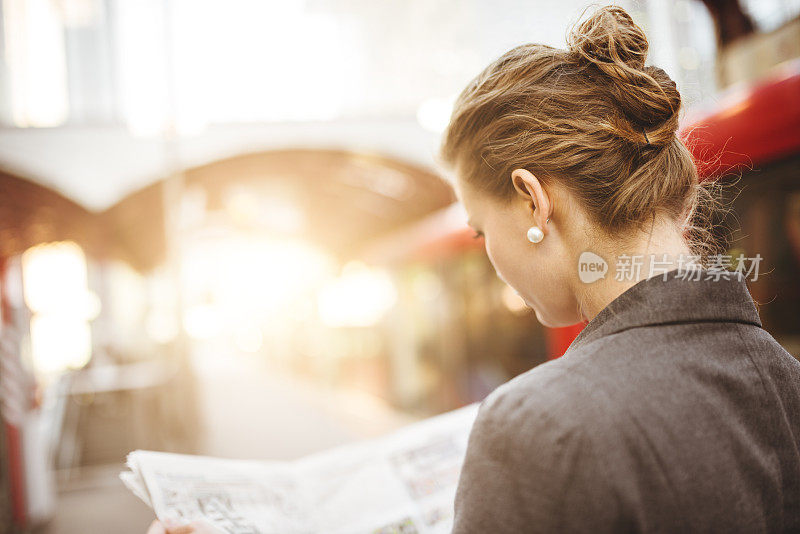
(171, 527)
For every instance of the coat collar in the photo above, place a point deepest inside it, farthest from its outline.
(675, 297)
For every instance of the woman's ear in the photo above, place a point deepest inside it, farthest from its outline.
(534, 193)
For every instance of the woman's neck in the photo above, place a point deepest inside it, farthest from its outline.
(661, 251)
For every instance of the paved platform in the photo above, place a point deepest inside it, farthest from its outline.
(248, 411)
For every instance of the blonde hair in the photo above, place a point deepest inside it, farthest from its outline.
(592, 117)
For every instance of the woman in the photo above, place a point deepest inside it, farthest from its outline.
(673, 410)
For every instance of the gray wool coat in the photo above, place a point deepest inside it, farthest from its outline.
(672, 411)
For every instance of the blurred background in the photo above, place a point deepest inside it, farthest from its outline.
(223, 230)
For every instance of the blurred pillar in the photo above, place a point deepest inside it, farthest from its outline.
(730, 21)
(14, 387)
(182, 404)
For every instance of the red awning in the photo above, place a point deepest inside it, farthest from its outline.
(751, 125)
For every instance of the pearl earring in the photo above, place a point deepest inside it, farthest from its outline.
(535, 234)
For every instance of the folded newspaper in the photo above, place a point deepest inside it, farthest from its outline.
(402, 483)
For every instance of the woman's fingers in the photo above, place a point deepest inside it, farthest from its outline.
(183, 529)
(201, 527)
(173, 527)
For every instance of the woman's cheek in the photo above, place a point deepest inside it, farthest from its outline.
(491, 253)
(504, 264)
(487, 246)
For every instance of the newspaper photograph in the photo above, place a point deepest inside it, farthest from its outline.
(403, 483)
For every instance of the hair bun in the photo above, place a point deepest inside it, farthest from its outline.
(612, 42)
